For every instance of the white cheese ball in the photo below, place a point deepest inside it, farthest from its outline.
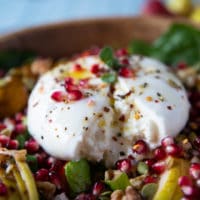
(153, 104)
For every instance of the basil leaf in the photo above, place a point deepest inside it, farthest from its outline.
(78, 175)
(119, 183)
(106, 54)
(109, 78)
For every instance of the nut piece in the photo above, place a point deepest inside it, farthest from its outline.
(41, 65)
(117, 195)
(131, 194)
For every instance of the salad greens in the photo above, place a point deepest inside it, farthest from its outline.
(14, 58)
(181, 43)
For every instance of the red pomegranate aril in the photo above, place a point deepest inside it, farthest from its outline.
(58, 96)
(150, 162)
(182, 65)
(98, 188)
(184, 181)
(158, 167)
(95, 69)
(83, 83)
(140, 147)
(124, 165)
(69, 81)
(19, 117)
(173, 150)
(195, 170)
(3, 189)
(41, 158)
(20, 128)
(75, 95)
(13, 144)
(4, 140)
(55, 179)
(42, 175)
(159, 153)
(121, 52)
(2, 127)
(124, 61)
(126, 72)
(167, 141)
(50, 162)
(32, 146)
(189, 191)
(150, 179)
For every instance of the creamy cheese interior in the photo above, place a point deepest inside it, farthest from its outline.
(109, 119)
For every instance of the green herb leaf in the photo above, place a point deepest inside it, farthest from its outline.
(14, 58)
(32, 162)
(109, 78)
(22, 138)
(149, 190)
(119, 182)
(142, 168)
(107, 56)
(78, 175)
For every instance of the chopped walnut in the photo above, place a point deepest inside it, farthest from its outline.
(47, 189)
(117, 195)
(41, 65)
(129, 194)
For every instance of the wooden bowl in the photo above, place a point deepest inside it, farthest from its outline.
(66, 38)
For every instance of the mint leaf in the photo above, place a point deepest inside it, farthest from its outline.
(109, 78)
(78, 175)
(119, 182)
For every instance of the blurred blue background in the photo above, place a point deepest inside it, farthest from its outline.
(17, 14)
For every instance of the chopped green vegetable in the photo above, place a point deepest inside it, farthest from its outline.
(180, 43)
(109, 78)
(149, 190)
(142, 168)
(14, 58)
(78, 175)
(32, 162)
(22, 138)
(119, 182)
(107, 56)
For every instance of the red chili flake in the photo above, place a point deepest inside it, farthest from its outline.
(126, 72)
(121, 52)
(59, 96)
(95, 69)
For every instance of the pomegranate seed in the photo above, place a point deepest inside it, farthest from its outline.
(189, 191)
(150, 162)
(83, 83)
(158, 167)
(182, 65)
(42, 175)
(2, 127)
(3, 189)
(77, 67)
(167, 141)
(20, 128)
(184, 181)
(50, 162)
(124, 165)
(19, 117)
(59, 96)
(95, 69)
(126, 72)
(32, 146)
(140, 147)
(41, 158)
(159, 153)
(121, 52)
(173, 150)
(75, 95)
(150, 179)
(124, 61)
(195, 170)
(69, 81)
(55, 179)
(4, 140)
(98, 188)
(13, 144)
